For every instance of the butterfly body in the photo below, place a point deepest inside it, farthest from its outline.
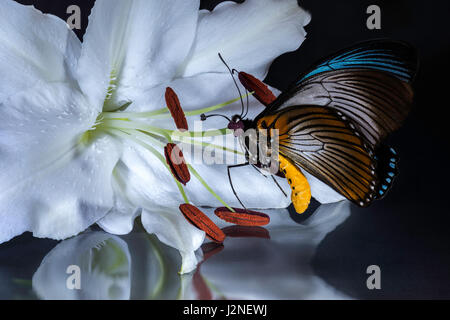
(301, 191)
(333, 121)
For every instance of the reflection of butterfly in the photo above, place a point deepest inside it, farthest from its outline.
(333, 120)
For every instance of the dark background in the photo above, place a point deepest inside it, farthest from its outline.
(406, 234)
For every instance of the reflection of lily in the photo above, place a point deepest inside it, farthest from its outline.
(278, 268)
(138, 266)
(79, 121)
(105, 263)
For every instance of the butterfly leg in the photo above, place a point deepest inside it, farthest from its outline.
(273, 178)
(259, 171)
(231, 182)
(278, 185)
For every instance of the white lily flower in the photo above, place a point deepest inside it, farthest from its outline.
(71, 142)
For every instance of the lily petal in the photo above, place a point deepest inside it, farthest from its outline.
(155, 183)
(197, 92)
(120, 220)
(321, 191)
(248, 35)
(254, 189)
(52, 182)
(34, 48)
(172, 228)
(133, 44)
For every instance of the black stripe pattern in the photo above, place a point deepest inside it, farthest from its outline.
(376, 103)
(321, 142)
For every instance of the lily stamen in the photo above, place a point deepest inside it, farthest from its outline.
(122, 124)
(174, 105)
(177, 163)
(200, 220)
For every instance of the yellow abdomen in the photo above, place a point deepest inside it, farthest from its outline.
(301, 192)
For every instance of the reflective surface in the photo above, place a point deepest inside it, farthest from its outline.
(321, 257)
(253, 263)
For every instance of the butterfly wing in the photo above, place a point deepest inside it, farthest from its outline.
(369, 83)
(318, 140)
(375, 102)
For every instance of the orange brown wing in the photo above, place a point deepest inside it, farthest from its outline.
(319, 141)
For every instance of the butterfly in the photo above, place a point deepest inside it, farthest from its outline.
(332, 122)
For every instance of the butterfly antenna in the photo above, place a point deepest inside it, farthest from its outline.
(246, 94)
(248, 104)
(235, 83)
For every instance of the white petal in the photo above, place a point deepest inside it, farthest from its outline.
(149, 179)
(34, 48)
(321, 191)
(142, 41)
(171, 228)
(254, 189)
(249, 35)
(148, 183)
(50, 182)
(120, 220)
(198, 92)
